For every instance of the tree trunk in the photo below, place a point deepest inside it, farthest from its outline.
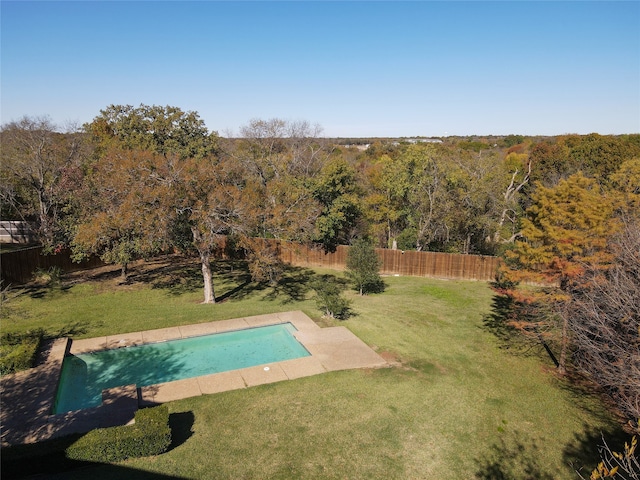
(209, 295)
(564, 343)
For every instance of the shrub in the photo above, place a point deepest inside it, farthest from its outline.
(265, 266)
(18, 350)
(329, 297)
(150, 435)
(51, 277)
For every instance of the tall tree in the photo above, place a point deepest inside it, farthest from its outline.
(336, 190)
(275, 148)
(163, 130)
(163, 153)
(279, 159)
(40, 169)
(282, 157)
(626, 182)
(363, 267)
(125, 208)
(518, 167)
(388, 204)
(212, 199)
(566, 230)
(605, 318)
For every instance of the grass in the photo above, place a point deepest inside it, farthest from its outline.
(457, 404)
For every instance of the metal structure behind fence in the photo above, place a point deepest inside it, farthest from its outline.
(19, 266)
(15, 231)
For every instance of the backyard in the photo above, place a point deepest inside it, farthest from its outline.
(459, 401)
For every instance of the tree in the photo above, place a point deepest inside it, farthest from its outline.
(594, 155)
(125, 209)
(605, 321)
(175, 183)
(162, 130)
(475, 188)
(336, 190)
(213, 198)
(282, 158)
(279, 160)
(565, 231)
(363, 266)
(519, 166)
(384, 206)
(626, 182)
(551, 164)
(275, 148)
(40, 170)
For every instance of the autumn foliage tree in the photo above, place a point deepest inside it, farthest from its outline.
(139, 182)
(40, 170)
(213, 198)
(124, 217)
(564, 233)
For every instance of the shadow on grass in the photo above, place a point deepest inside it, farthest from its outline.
(515, 456)
(232, 280)
(583, 453)
(37, 291)
(176, 278)
(48, 459)
(293, 286)
(234, 277)
(497, 322)
(184, 275)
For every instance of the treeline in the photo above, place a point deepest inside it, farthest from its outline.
(464, 195)
(135, 179)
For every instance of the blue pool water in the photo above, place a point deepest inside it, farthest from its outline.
(84, 376)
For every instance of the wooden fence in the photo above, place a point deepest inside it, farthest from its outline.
(19, 266)
(395, 262)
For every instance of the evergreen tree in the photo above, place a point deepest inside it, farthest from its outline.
(363, 266)
(565, 232)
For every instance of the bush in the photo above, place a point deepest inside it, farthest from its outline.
(329, 297)
(265, 266)
(52, 277)
(150, 435)
(18, 350)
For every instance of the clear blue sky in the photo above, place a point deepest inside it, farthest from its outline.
(356, 68)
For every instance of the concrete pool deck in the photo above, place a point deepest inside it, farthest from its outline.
(28, 397)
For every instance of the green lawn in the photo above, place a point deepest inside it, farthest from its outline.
(457, 405)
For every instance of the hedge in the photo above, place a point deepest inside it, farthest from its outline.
(18, 350)
(150, 435)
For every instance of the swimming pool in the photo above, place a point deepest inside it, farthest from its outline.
(84, 376)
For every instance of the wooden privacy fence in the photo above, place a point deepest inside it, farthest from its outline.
(395, 262)
(19, 266)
